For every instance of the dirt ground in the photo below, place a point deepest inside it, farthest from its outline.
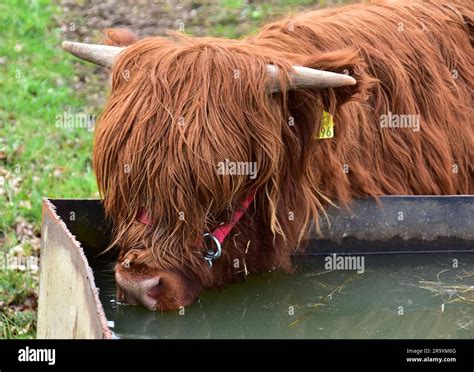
(144, 17)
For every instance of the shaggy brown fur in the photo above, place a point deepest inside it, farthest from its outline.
(180, 105)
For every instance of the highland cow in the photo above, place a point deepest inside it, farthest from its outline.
(182, 106)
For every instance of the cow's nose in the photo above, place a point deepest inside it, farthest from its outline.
(156, 289)
(135, 291)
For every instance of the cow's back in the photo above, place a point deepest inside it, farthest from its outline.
(422, 56)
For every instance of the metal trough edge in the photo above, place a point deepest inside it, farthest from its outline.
(69, 304)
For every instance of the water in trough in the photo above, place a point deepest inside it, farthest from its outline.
(397, 296)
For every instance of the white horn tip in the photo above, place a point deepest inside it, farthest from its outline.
(102, 55)
(351, 80)
(67, 45)
(305, 77)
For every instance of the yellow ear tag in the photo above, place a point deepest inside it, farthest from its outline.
(327, 126)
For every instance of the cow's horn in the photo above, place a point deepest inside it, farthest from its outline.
(102, 55)
(301, 77)
(304, 77)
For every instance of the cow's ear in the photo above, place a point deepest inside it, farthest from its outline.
(119, 37)
(345, 61)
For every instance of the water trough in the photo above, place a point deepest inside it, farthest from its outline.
(418, 280)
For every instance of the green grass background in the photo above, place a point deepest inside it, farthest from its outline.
(36, 85)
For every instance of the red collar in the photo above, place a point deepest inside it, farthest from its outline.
(219, 234)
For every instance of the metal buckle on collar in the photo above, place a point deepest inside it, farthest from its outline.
(211, 255)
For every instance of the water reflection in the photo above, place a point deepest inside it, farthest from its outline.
(398, 296)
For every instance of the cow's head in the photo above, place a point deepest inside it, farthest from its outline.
(180, 109)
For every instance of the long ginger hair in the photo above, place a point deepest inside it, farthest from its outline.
(180, 105)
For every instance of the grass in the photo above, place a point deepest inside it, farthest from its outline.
(17, 291)
(39, 156)
(236, 18)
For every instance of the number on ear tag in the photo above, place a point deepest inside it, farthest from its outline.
(327, 127)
